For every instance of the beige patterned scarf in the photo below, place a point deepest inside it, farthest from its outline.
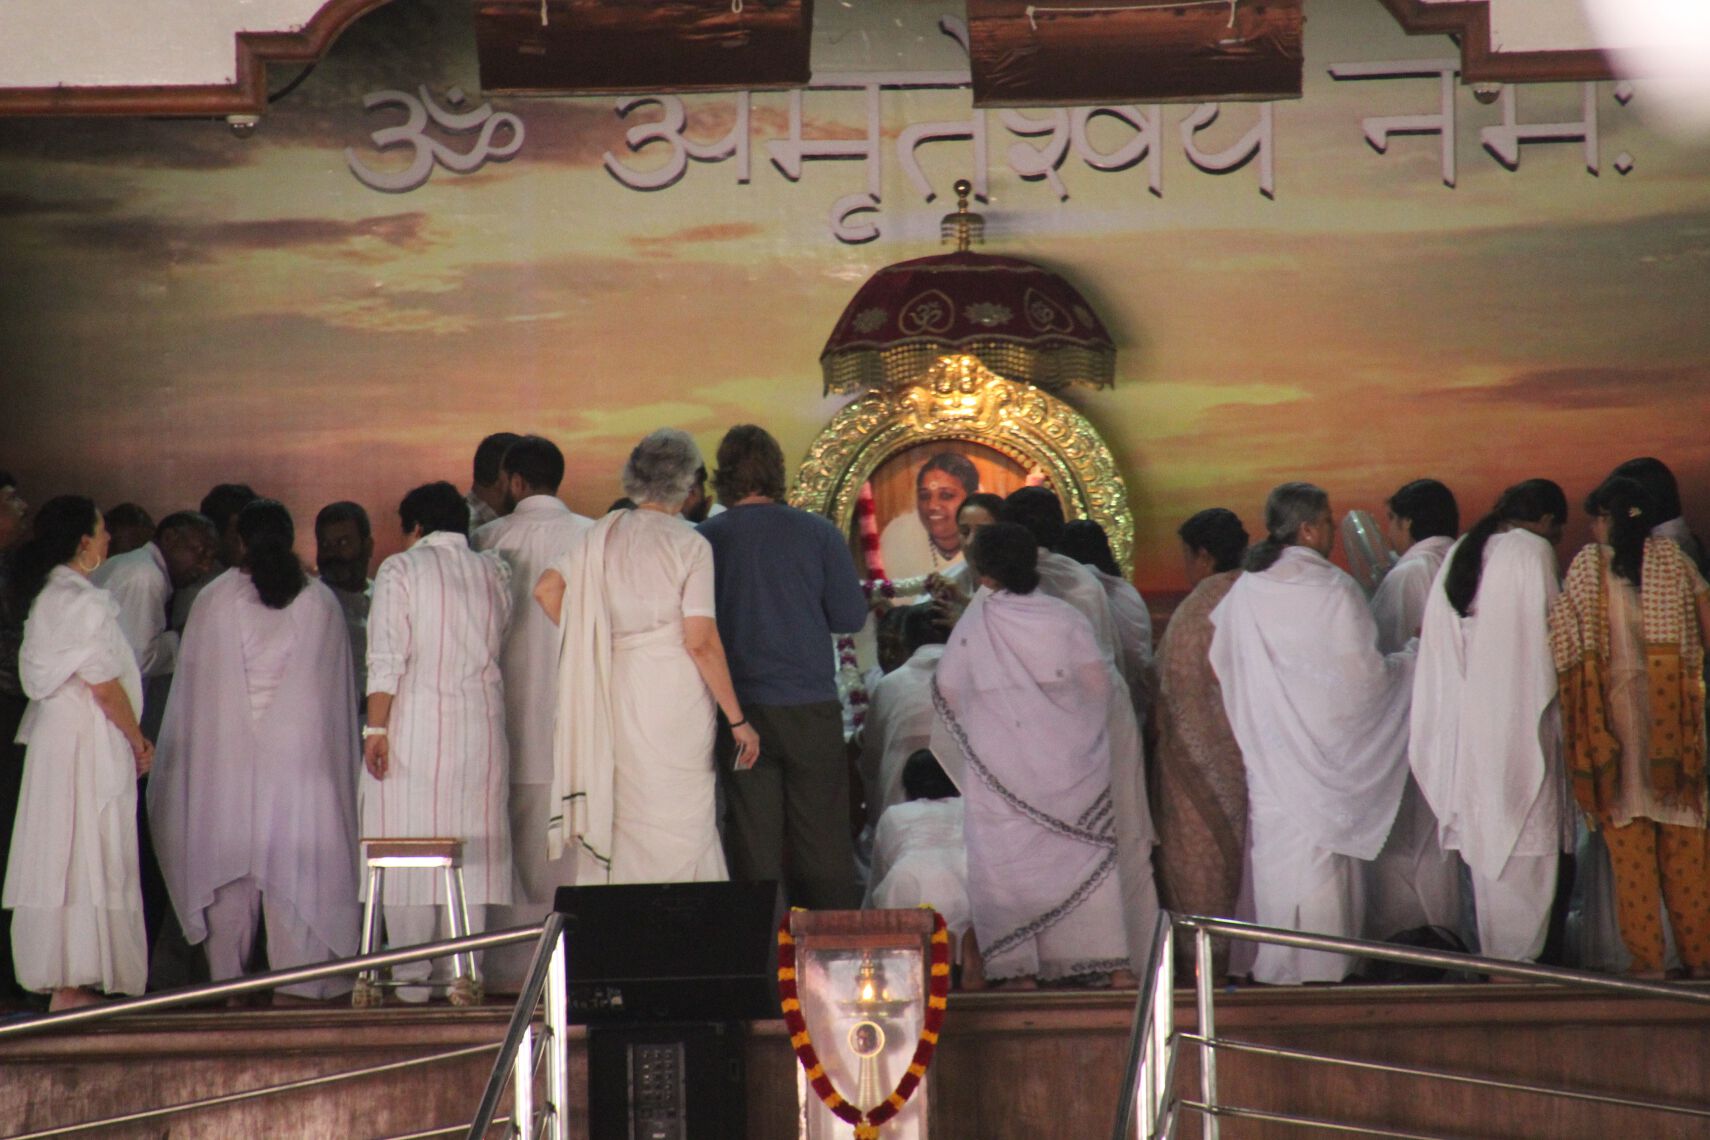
(1674, 659)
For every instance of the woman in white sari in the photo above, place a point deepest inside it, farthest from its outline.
(1023, 695)
(640, 670)
(72, 878)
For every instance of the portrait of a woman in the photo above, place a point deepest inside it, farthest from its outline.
(925, 539)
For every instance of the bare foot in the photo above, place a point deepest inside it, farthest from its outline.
(73, 997)
(1025, 982)
(1124, 980)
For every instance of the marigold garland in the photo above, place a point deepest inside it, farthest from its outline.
(866, 1124)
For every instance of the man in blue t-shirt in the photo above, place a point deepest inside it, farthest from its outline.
(785, 583)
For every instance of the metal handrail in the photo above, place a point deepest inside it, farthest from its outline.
(1142, 1034)
(540, 976)
(548, 936)
(1205, 928)
(1444, 1075)
(1447, 959)
(196, 995)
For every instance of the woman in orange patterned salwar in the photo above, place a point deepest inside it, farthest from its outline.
(1628, 632)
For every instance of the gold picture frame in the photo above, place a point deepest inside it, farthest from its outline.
(958, 398)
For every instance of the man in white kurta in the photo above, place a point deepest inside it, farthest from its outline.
(1486, 740)
(252, 802)
(1413, 881)
(141, 585)
(146, 582)
(434, 636)
(1321, 717)
(537, 532)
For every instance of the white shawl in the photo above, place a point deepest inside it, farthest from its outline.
(275, 797)
(1484, 701)
(1320, 714)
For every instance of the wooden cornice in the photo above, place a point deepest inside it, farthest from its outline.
(1469, 22)
(245, 95)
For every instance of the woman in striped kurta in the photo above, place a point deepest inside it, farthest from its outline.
(435, 748)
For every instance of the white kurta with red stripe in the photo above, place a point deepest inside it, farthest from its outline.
(434, 634)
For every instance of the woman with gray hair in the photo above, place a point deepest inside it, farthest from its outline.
(640, 669)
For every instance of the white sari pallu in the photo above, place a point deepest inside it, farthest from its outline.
(633, 776)
(1022, 697)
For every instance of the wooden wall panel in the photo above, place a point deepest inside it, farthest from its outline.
(1009, 1065)
(1083, 52)
(592, 46)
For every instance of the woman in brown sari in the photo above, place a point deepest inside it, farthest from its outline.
(1200, 787)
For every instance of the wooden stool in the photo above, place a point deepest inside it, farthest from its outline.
(443, 855)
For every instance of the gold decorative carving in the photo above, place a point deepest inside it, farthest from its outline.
(961, 399)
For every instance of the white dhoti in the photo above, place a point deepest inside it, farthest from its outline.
(1300, 886)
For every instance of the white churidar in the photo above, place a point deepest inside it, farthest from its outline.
(71, 876)
(434, 635)
(1321, 718)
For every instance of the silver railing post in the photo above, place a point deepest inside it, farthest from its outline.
(522, 1086)
(558, 1047)
(1150, 1090)
(1204, 988)
(1163, 1026)
(516, 1054)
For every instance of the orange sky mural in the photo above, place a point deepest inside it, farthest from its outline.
(183, 307)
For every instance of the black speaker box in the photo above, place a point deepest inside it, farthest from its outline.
(666, 1082)
(672, 952)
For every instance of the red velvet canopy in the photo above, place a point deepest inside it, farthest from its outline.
(1023, 321)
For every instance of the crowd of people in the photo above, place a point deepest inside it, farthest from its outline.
(1479, 749)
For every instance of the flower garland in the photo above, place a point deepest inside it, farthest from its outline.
(867, 1124)
(888, 588)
